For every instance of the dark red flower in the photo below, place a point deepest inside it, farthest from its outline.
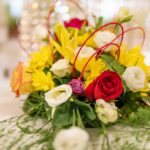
(107, 86)
(75, 23)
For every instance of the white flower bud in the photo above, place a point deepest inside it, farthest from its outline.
(106, 112)
(123, 14)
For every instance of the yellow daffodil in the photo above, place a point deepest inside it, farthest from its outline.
(68, 42)
(95, 69)
(41, 58)
(133, 57)
(42, 81)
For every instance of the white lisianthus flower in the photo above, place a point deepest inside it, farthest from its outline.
(104, 37)
(123, 14)
(58, 95)
(40, 32)
(71, 139)
(85, 52)
(134, 78)
(61, 68)
(106, 112)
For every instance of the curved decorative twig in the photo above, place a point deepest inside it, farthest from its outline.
(98, 29)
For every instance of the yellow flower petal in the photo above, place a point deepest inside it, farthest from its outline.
(41, 81)
(41, 58)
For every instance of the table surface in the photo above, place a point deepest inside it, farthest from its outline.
(10, 106)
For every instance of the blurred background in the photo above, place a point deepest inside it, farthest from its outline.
(19, 19)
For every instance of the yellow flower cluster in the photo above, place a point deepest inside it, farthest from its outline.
(42, 81)
(27, 79)
(41, 59)
(133, 57)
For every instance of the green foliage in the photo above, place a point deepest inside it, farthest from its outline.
(126, 19)
(85, 109)
(99, 22)
(131, 102)
(36, 106)
(46, 70)
(113, 64)
(59, 81)
(83, 28)
(63, 116)
(71, 113)
(121, 21)
(140, 118)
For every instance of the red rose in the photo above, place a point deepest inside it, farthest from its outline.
(75, 23)
(107, 86)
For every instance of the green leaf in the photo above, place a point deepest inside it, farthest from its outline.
(125, 88)
(74, 118)
(85, 109)
(63, 116)
(46, 70)
(99, 22)
(83, 28)
(59, 81)
(113, 64)
(79, 119)
(116, 29)
(133, 96)
(126, 19)
(36, 106)
(132, 101)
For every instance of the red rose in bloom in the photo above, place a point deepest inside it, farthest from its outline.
(75, 23)
(107, 86)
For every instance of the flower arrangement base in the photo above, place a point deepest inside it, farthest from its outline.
(20, 133)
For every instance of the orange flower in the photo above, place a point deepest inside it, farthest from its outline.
(21, 82)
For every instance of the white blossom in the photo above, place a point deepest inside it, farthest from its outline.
(134, 78)
(85, 52)
(106, 112)
(71, 139)
(61, 68)
(58, 95)
(104, 37)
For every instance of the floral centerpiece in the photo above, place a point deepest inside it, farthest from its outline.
(85, 77)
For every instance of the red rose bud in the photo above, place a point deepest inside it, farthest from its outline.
(107, 86)
(75, 23)
(77, 87)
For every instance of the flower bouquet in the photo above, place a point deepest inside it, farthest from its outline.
(85, 77)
